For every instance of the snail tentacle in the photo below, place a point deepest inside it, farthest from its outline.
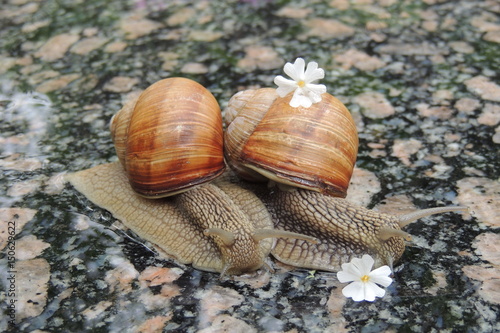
(261, 234)
(386, 233)
(404, 220)
(227, 237)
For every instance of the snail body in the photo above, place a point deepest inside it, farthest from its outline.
(343, 229)
(211, 227)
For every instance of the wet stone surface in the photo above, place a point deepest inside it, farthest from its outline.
(420, 78)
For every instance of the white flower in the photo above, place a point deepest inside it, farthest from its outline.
(306, 93)
(364, 283)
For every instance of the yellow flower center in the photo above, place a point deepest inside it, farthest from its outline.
(301, 83)
(365, 278)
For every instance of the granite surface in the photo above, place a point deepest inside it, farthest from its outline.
(421, 78)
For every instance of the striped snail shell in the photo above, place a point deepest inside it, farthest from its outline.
(313, 148)
(171, 139)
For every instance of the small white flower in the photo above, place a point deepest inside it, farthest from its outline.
(306, 92)
(364, 281)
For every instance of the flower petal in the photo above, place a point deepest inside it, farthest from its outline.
(317, 75)
(380, 276)
(358, 266)
(281, 81)
(372, 291)
(283, 91)
(382, 270)
(290, 70)
(299, 66)
(384, 281)
(295, 71)
(285, 86)
(351, 269)
(355, 290)
(299, 99)
(315, 98)
(313, 73)
(367, 263)
(345, 277)
(316, 88)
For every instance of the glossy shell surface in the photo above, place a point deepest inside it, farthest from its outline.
(170, 139)
(313, 148)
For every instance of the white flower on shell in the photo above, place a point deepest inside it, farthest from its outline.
(364, 282)
(306, 92)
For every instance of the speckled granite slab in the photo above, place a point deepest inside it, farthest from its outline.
(421, 78)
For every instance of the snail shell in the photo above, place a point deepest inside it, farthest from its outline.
(313, 148)
(170, 139)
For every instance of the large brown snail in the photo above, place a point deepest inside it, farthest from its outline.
(313, 150)
(227, 225)
(169, 143)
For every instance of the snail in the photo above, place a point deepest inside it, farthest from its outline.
(170, 146)
(310, 153)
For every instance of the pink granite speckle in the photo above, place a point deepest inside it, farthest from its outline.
(404, 149)
(294, 12)
(57, 83)
(30, 247)
(32, 278)
(481, 195)
(397, 205)
(154, 324)
(374, 105)
(484, 87)
(120, 84)
(13, 217)
(88, 45)
(194, 68)
(121, 277)
(226, 323)
(467, 105)
(258, 56)
(490, 287)
(56, 47)
(335, 305)
(155, 276)
(363, 185)
(327, 29)
(215, 300)
(490, 115)
(23, 188)
(487, 245)
(135, 26)
(360, 60)
(16, 162)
